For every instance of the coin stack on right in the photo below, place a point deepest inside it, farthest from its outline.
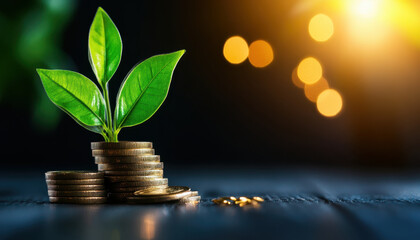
(129, 167)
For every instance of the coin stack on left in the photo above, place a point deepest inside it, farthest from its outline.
(78, 187)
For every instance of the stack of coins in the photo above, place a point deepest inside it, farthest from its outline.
(128, 167)
(78, 187)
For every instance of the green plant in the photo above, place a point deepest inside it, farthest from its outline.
(142, 92)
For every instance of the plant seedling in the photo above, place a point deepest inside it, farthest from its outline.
(141, 93)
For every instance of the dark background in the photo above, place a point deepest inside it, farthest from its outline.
(216, 113)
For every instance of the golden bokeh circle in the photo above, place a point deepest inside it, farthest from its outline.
(235, 50)
(321, 27)
(309, 70)
(329, 103)
(260, 54)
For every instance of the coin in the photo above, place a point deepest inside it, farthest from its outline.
(150, 172)
(78, 200)
(122, 152)
(131, 189)
(88, 193)
(144, 166)
(158, 199)
(76, 181)
(75, 187)
(153, 192)
(116, 179)
(120, 194)
(190, 200)
(62, 175)
(128, 159)
(143, 183)
(120, 145)
(194, 193)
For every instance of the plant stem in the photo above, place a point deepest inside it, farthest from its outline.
(111, 135)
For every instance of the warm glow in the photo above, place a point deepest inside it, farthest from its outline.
(329, 103)
(235, 50)
(295, 79)
(312, 91)
(309, 70)
(321, 27)
(148, 228)
(365, 8)
(260, 53)
(406, 16)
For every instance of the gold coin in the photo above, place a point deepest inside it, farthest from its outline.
(151, 172)
(120, 145)
(144, 166)
(152, 192)
(62, 175)
(117, 179)
(158, 199)
(190, 200)
(77, 181)
(119, 196)
(129, 159)
(87, 193)
(132, 189)
(122, 152)
(143, 183)
(194, 193)
(78, 200)
(75, 187)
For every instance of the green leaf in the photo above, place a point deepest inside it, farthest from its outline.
(144, 89)
(76, 95)
(105, 47)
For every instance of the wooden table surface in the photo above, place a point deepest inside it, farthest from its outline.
(300, 204)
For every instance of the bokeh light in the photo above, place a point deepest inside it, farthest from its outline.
(295, 79)
(312, 91)
(260, 54)
(329, 103)
(366, 8)
(309, 70)
(235, 50)
(321, 27)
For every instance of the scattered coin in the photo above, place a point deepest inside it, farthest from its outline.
(128, 159)
(75, 187)
(122, 152)
(144, 166)
(154, 191)
(241, 201)
(63, 175)
(78, 200)
(77, 181)
(120, 145)
(87, 193)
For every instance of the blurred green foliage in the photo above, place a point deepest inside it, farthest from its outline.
(32, 35)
